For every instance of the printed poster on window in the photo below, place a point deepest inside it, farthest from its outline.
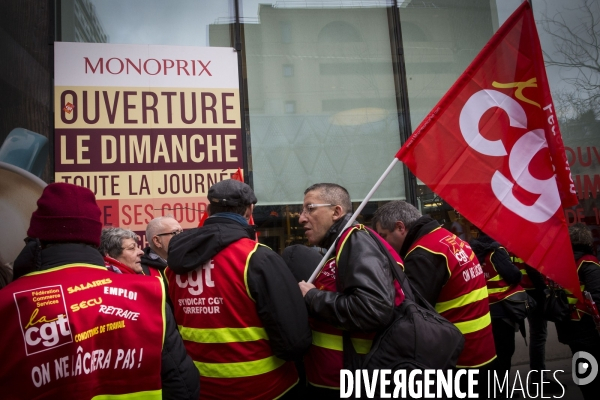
(147, 128)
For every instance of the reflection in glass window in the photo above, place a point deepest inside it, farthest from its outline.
(167, 22)
(344, 124)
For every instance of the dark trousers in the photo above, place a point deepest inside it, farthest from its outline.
(538, 332)
(504, 340)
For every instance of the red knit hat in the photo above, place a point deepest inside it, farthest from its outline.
(66, 213)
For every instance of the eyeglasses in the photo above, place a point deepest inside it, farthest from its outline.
(308, 209)
(170, 233)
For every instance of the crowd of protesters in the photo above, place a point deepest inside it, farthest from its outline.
(211, 313)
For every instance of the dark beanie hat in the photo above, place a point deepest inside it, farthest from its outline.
(66, 213)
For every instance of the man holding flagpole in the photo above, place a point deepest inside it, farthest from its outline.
(355, 290)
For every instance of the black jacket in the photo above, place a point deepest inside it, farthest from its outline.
(179, 375)
(364, 300)
(426, 271)
(278, 298)
(583, 331)
(152, 260)
(484, 245)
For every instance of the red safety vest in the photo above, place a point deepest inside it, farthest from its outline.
(463, 300)
(222, 331)
(325, 357)
(79, 331)
(497, 287)
(577, 307)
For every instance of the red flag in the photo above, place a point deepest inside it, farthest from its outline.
(238, 175)
(492, 149)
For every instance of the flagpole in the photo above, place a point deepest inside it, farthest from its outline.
(352, 219)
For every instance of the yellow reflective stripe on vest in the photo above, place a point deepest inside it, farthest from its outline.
(498, 290)
(150, 395)
(246, 271)
(240, 369)
(223, 335)
(341, 246)
(362, 346)
(474, 325)
(67, 266)
(494, 279)
(463, 300)
(336, 342)
(328, 341)
(571, 297)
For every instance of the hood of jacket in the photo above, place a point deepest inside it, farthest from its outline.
(580, 250)
(192, 248)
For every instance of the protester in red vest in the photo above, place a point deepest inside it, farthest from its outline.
(581, 333)
(76, 331)
(360, 300)
(444, 270)
(503, 279)
(238, 306)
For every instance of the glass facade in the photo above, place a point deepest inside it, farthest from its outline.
(321, 106)
(330, 89)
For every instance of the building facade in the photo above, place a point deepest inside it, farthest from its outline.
(329, 90)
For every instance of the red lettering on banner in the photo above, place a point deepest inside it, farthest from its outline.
(589, 188)
(584, 156)
(110, 212)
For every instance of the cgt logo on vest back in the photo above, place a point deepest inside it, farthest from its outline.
(194, 281)
(520, 156)
(43, 318)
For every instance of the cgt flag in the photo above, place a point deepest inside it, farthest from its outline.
(492, 149)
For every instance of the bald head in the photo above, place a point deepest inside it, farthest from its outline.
(158, 234)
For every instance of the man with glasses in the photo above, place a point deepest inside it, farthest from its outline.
(354, 291)
(159, 233)
(239, 309)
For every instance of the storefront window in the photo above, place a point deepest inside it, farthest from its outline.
(569, 35)
(170, 22)
(440, 39)
(322, 105)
